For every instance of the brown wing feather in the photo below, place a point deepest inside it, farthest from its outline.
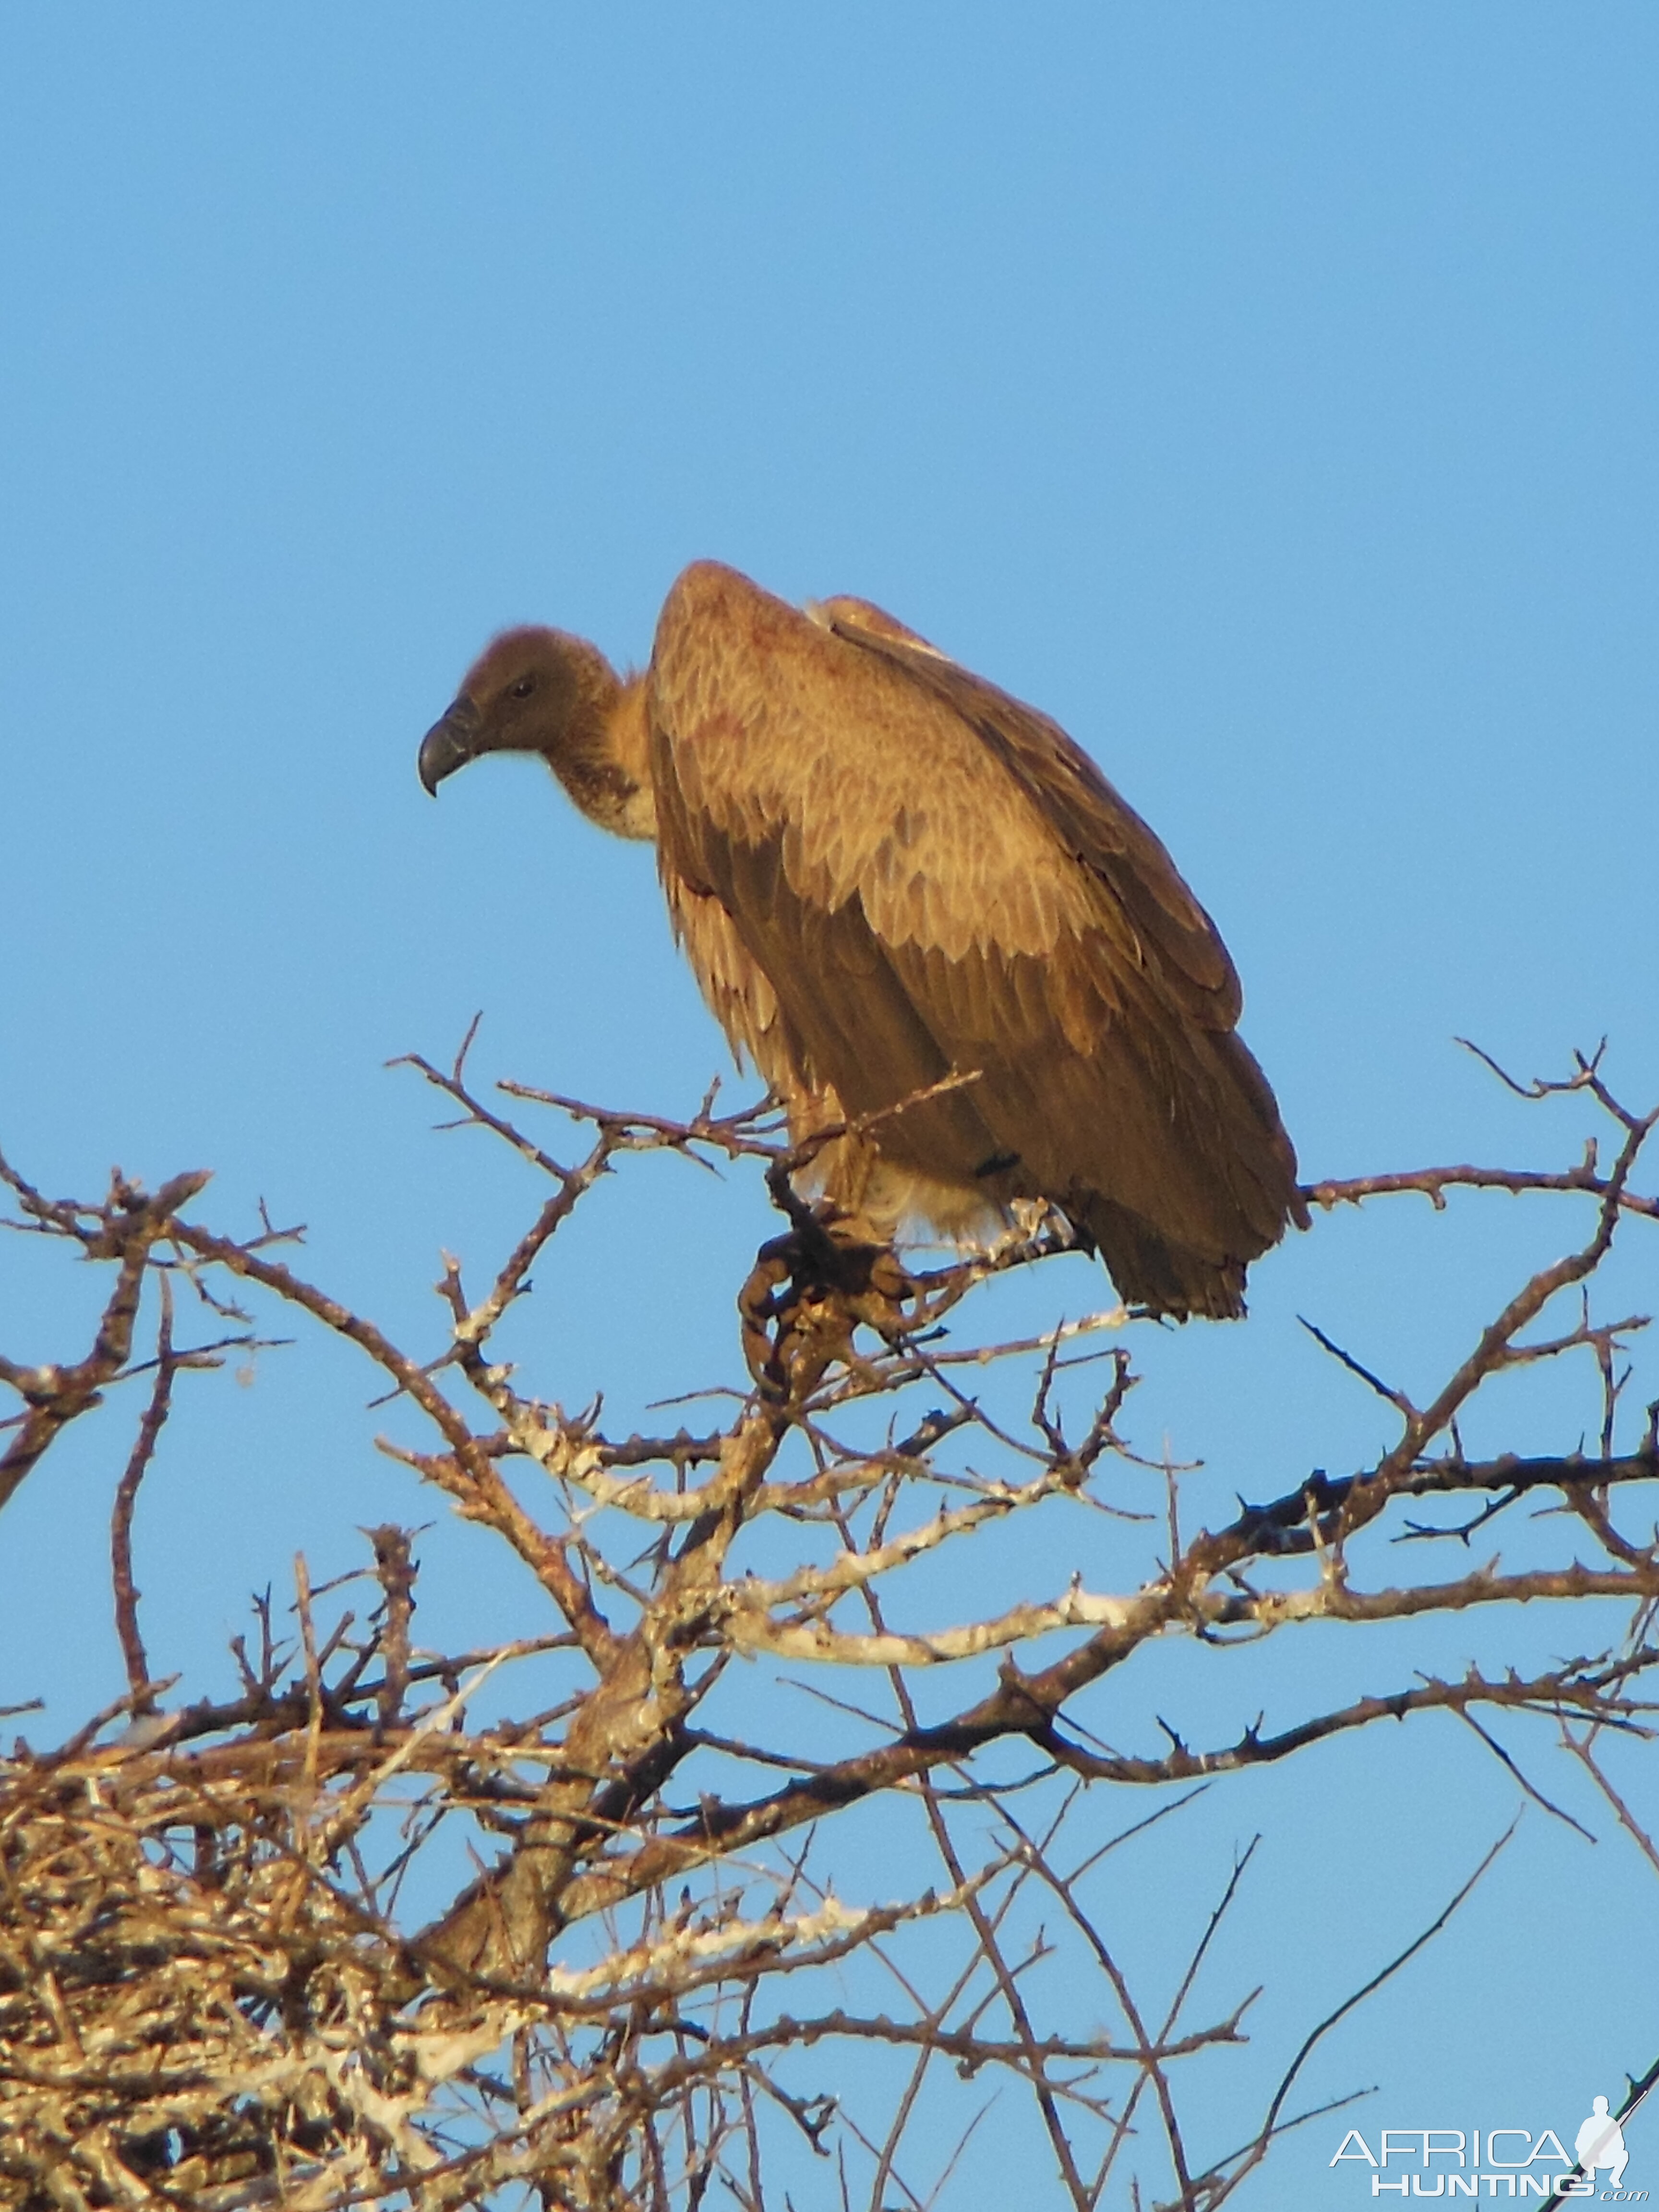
(737, 992)
(1094, 820)
(928, 877)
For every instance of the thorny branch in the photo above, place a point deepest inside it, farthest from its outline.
(233, 1971)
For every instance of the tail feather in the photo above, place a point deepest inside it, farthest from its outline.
(1150, 1271)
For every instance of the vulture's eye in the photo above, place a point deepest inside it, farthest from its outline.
(523, 688)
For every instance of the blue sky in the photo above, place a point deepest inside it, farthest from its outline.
(1267, 392)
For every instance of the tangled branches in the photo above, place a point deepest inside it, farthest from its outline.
(242, 1961)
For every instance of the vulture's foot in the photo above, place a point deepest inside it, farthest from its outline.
(807, 1294)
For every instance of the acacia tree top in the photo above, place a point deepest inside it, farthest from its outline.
(239, 1961)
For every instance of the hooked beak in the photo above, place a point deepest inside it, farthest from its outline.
(449, 744)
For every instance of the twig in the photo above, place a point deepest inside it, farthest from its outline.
(126, 1499)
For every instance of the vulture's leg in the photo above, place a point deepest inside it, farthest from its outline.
(807, 1293)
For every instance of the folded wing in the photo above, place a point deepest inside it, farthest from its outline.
(887, 872)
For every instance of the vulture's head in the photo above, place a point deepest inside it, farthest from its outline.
(536, 690)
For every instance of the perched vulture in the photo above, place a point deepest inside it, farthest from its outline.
(885, 872)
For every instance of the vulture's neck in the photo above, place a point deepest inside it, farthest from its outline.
(605, 760)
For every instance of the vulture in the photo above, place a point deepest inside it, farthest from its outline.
(887, 873)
